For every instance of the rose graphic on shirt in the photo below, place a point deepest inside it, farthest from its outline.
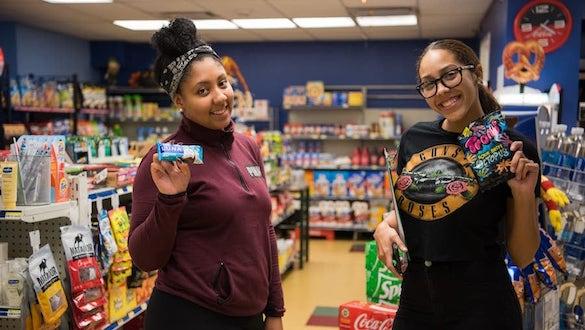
(456, 187)
(404, 181)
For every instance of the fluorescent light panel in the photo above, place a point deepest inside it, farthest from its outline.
(77, 1)
(392, 20)
(265, 23)
(142, 25)
(323, 22)
(214, 24)
(153, 25)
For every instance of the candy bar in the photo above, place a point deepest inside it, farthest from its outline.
(487, 145)
(172, 152)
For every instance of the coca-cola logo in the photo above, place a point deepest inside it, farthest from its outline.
(362, 322)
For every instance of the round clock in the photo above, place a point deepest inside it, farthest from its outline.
(547, 21)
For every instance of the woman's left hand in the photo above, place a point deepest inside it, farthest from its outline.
(273, 323)
(526, 172)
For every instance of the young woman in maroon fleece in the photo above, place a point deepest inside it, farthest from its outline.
(205, 227)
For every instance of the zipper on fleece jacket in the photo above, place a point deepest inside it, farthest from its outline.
(235, 167)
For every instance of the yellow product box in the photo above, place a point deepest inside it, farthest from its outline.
(355, 99)
(117, 302)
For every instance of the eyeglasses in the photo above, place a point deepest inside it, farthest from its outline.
(449, 79)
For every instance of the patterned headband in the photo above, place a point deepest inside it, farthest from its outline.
(173, 73)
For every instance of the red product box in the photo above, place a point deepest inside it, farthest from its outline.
(357, 315)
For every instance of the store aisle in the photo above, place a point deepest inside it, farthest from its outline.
(333, 276)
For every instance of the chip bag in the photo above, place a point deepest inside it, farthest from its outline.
(47, 284)
(109, 246)
(487, 145)
(121, 227)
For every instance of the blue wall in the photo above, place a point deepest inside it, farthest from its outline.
(561, 66)
(269, 67)
(8, 44)
(47, 53)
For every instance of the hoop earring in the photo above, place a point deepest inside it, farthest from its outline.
(181, 110)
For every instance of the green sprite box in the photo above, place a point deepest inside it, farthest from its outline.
(381, 285)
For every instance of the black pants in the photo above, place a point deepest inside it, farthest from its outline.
(458, 296)
(166, 311)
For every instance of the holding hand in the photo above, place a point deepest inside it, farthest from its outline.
(386, 236)
(526, 171)
(170, 178)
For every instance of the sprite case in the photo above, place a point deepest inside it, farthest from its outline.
(381, 285)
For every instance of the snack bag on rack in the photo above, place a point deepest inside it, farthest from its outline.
(487, 145)
(517, 280)
(47, 284)
(552, 251)
(531, 284)
(109, 246)
(121, 227)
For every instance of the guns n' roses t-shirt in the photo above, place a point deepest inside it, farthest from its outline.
(444, 215)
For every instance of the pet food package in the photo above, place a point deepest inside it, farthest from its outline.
(47, 284)
(487, 145)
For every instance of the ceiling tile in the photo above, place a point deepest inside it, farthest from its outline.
(229, 36)
(380, 3)
(240, 9)
(338, 34)
(392, 32)
(458, 7)
(321, 8)
(289, 35)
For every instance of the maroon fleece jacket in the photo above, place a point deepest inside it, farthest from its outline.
(213, 245)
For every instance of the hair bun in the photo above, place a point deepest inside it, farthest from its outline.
(177, 38)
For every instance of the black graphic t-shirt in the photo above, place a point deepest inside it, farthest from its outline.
(444, 214)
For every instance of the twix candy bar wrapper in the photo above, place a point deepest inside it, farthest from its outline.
(170, 152)
(487, 145)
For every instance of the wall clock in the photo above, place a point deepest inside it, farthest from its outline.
(547, 21)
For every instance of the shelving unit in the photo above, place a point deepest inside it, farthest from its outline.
(132, 314)
(34, 214)
(340, 138)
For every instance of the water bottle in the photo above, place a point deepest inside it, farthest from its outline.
(556, 153)
(577, 187)
(569, 154)
(548, 148)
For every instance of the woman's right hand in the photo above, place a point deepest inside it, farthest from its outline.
(386, 236)
(170, 178)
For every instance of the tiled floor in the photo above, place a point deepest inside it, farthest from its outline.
(332, 276)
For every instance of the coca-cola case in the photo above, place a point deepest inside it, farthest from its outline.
(357, 315)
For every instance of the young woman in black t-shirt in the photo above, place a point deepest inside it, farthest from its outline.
(457, 278)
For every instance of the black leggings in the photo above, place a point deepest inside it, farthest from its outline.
(458, 296)
(166, 311)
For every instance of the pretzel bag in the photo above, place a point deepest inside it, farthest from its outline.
(487, 145)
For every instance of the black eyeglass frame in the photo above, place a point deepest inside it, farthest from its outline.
(435, 81)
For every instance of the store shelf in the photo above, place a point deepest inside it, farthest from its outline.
(134, 90)
(132, 314)
(289, 264)
(9, 312)
(109, 160)
(252, 120)
(353, 228)
(98, 112)
(283, 217)
(148, 121)
(108, 192)
(322, 108)
(337, 138)
(44, 109)
(366, 199)
(282, 187)
(345, 168)
(39, 213)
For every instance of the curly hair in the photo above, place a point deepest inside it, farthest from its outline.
(172, 41)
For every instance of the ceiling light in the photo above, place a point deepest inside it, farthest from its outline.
(323, 22)
(78, 1)
(392, 20)
(214, 24)
(142, 25)
(265, 23)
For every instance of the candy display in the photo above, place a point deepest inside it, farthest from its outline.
(31, 91)
(172, 152)
(487, 145)
(384, 128)
(315, 94)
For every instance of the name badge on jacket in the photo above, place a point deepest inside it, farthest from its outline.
(254, 171)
